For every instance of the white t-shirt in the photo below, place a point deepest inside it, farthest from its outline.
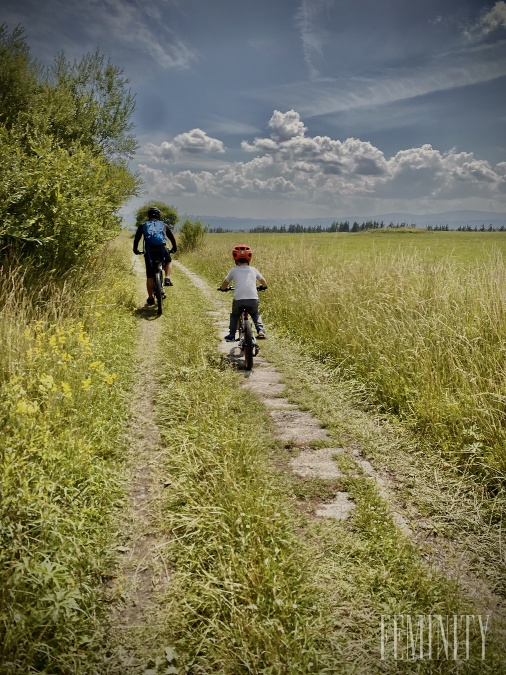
(245, 282)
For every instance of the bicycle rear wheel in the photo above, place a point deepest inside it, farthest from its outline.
(158, 288)
(248, 345)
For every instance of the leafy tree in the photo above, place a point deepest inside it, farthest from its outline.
(168, 214)
(63, 152)
(18, 75)
(99, 105)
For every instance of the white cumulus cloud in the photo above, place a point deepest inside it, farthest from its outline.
(322, 170)
(495, 18)
(488, 22)
(286, 125)
(194, 142)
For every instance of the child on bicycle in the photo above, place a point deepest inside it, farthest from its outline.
(245, 290)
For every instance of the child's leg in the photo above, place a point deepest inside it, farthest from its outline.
(234, 319)
(256, 316)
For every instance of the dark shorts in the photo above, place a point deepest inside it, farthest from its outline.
(250, 305)
(152, 255)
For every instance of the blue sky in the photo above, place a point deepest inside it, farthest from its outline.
(301, 108)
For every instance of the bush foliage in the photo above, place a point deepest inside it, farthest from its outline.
(191, 235)
(64, 143)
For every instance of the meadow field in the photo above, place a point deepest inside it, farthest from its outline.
(415, 321)
(412, 324)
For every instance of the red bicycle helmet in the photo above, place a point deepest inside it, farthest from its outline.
(242, 252)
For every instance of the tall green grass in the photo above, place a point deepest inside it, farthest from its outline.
(64, 368)
(256, 586)
(421, 331)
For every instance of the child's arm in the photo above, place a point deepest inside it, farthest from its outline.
(261, 280)
(226, 281)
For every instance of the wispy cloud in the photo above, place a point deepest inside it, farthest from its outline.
(141, 28)
(310, 21)
(119, 27)
(225, 125)
(330, 95)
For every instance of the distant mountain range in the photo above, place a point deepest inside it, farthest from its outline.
(453, 219)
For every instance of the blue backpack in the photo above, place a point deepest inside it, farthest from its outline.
(154, 232)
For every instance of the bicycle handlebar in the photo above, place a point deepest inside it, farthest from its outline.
(231, 288)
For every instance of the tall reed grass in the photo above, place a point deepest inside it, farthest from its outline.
(63, 371)
(422, 335)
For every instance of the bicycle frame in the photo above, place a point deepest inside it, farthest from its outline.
(157, 264)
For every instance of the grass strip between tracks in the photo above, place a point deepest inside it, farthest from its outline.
(240, 599)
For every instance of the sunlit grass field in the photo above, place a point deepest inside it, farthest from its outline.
(415, 320)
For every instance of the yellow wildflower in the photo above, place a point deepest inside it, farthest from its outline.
(25, 407)
(110, 379)
(84, 340)
(46, 382)
(98, 366)
(67, 392)
(85, 384)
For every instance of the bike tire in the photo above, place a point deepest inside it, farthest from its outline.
(248, 345)
(158, 291)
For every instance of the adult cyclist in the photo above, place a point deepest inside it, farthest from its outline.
(155, 233)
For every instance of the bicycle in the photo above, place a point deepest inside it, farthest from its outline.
(156, 262)
(158, 285)
(247, 340)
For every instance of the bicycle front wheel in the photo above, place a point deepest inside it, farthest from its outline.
(158, 290)
(248, 345)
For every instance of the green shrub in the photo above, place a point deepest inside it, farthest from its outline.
(64, 144)
(58, 204)
(191, 235)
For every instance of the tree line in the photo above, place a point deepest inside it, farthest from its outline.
(336, 226)
(355, 227)
(65, 140)
(467, 228)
